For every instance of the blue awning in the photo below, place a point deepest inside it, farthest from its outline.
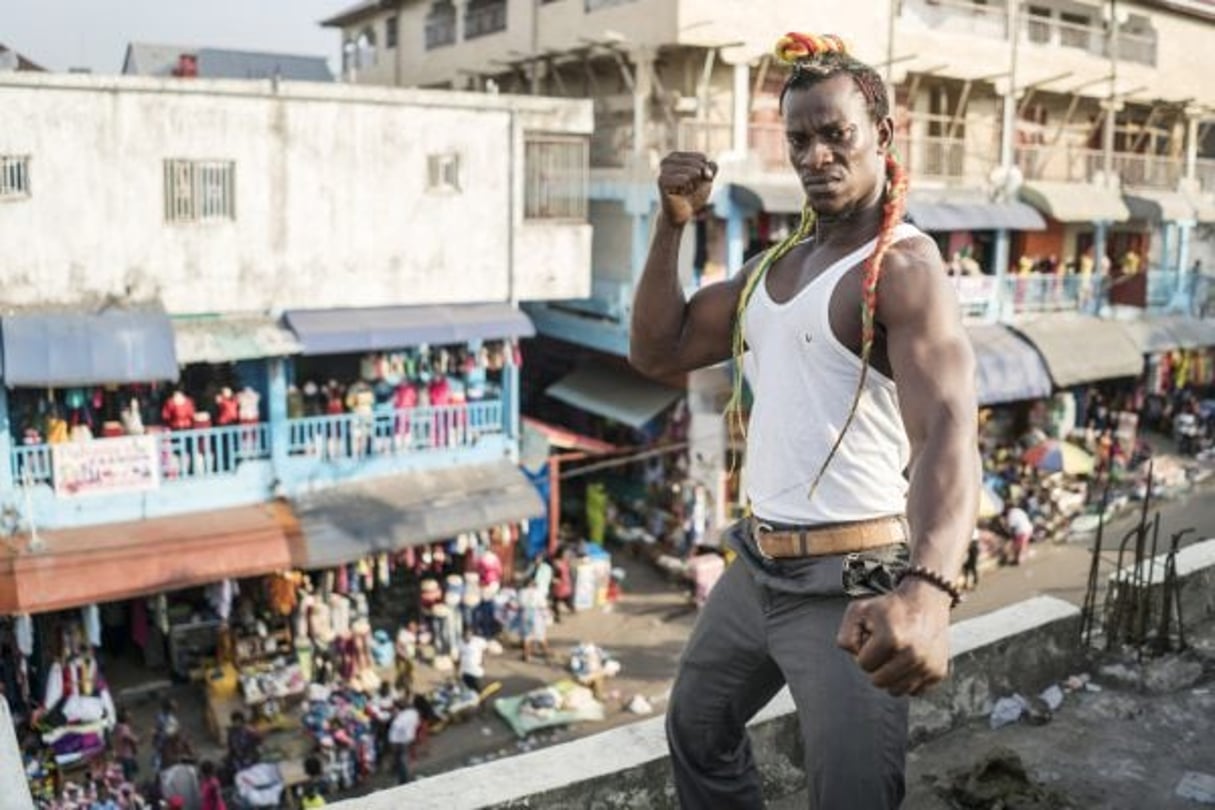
(614, 393)
(964, 209)
(75, 348)
(1008, 368)
(339, 331)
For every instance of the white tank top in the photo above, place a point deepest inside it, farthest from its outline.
(803, 380)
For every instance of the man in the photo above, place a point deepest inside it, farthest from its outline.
(472, 660)
(825, 464)
(401, 734)
(1020, 530)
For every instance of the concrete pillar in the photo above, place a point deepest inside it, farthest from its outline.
(643, 67)
(280, 429)
(1191, 143)
(640, 247)
(13, 787)
(742, 108)
(7, 484)
(461, 7)
(1100, 236)
(510, 405)
(736, 238)
(1003, 251)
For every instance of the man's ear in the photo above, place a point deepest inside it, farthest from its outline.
(885, 134)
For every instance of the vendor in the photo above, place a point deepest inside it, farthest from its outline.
(244, 744)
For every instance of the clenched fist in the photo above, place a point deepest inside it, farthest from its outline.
(684, 182)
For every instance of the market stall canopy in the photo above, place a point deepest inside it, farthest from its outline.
(1168, 332)
(104, 563)
(229, 338)
(567, 439)
(347, 523)
(60, 348)
(1151, 335)
(1192, 333)
(339, 331)
(1079, 349)
(1159, 206)
(775, 197)
(1076, 202)
(617, 394)
(1204, 206)
(958, 210)
(1008, 369)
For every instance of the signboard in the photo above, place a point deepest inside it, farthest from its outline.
(106, 466)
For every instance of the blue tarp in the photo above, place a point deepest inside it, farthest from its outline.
(65, 348)
(342, 331)
(1008, 368)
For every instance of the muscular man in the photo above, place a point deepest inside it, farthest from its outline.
(862, 470)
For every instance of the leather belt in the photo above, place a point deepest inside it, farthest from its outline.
(817, 541)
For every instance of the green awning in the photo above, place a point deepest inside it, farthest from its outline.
(229, 338)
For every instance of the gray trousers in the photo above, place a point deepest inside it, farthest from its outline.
(749, 641)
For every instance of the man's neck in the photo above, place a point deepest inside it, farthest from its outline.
(858, 224)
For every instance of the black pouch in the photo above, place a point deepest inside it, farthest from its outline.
(875, 571)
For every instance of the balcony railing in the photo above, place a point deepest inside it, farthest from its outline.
(710, 137)
(1075, 164)
(934, 157)
(974, 294)
(351, 436)
(959, 17)
(487, 19)
(180, 456)
(991, 21)
(1041, 293)
(1205, 170)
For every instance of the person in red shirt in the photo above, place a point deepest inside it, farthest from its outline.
(178, 412)
(212, 793)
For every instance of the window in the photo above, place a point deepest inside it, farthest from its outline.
(556, 170)
(591, 5)
(390, 32)
(1039, 24)
(443, 172)
(365, 49)
(440, 26)
(484, 17)
(200, 190)
(14, 177)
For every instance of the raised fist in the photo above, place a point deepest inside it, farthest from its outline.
(684, 182)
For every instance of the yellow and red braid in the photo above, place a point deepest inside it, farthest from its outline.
(800, 49)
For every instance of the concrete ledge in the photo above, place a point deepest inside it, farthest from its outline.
(1022, 647)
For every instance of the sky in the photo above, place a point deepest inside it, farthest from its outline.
(59, 34)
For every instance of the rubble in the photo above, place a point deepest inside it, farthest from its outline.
(999, 781)
(1171, 674)
(1199, 787)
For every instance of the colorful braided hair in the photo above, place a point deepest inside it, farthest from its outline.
(813, 59)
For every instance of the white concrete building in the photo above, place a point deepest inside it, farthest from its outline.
(215, 196)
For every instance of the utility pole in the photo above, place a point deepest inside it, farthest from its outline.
(1101, 235)
(892, 14)
(1008, 127)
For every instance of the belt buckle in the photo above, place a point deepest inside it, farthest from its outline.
(761, 529)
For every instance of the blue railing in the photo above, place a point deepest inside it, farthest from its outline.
(187, 454)
(181, 455)
(32, 464)
(1041, 293)
(393, 432)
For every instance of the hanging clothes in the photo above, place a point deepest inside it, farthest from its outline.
(90, 617)
(23, 630)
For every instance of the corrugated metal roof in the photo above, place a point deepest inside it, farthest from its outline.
(228, 338)
(151, 59)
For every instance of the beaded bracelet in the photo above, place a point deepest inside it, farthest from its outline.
(937, 581)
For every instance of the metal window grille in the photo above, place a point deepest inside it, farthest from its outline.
(487, 17)
(592, 5)
(440, 26)
(14, 176)
(390, 32)
(200, 190)
(443, 172)
(556, 177)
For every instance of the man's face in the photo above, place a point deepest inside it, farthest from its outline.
(835, 147)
